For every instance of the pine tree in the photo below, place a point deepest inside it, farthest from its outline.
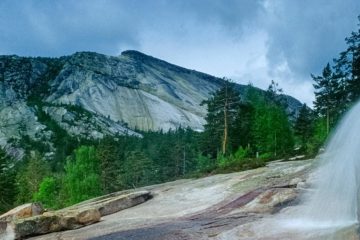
(275, 95)
(304, 126)
(222, 108)
(319, 135)
(241, 135)
(271, 129)
(7, 181)
(109, 155)
(351, 61)
(30, 177)
(137, 170)
(326, 86)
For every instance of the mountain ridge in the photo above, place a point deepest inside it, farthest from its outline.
(90, 95)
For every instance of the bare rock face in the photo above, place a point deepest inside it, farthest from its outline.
(24, 211)
(114, 202)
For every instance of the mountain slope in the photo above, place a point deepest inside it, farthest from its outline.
(145, 93)
(90, 95)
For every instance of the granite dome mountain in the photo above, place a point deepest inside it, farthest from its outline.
(90, 95)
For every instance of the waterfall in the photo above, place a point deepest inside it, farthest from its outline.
(335, 198)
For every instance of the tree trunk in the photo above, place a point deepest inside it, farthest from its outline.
(327, 121)
(225, 138)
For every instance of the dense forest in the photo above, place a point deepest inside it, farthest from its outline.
(242, 132)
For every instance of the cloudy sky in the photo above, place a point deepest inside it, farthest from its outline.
(252, 41)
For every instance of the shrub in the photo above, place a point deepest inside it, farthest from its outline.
(48, 193)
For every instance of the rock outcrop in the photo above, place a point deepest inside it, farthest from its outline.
(29, 220)
(113, 202)
(23, 211)
(54, 222)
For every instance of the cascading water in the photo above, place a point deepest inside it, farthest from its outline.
(335, 199)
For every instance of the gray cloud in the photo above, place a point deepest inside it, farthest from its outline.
(56, 28)
(248, 40)
(308, 34)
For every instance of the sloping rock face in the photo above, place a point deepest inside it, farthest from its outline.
(27, 220)
(206, 208)
(245, 205)
(91, 95)
(144, 92)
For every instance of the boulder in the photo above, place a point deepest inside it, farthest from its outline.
(35, 225)
(115, 202)
(122, 202)
(54, 222)
(23, 211)
(81, 217)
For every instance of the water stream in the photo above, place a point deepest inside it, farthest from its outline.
(335, 199)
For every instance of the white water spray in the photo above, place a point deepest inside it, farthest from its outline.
(334, 202)
(330, 208)
(336, 196)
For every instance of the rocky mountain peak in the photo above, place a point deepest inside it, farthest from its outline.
(90, 95)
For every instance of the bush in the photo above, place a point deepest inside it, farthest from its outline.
(233, 160)
(82, 177)
(204, 163)
(241, 153)
(48, 193)
(266, 156)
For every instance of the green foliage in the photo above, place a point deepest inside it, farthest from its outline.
(205, 163)
(223, 107)
(271, 129)
(110, 157)
(304, 127)
(137, 170)
(238, 161)
(266, 156)
(48, 193)
(82, 175)
(241, 153)
(7, 182)
(238, 158)
(339, 85)
(64, 143)
(330, 98)
(30, 176)
(319, 136)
